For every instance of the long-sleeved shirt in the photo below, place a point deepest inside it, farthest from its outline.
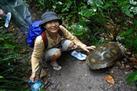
(39, 46)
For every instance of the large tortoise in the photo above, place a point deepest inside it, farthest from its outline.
(105, 56)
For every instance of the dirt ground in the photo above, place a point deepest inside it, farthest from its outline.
(76, 76)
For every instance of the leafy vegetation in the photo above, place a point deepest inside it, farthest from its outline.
(11, 67)
(88, 19)
(132, 78)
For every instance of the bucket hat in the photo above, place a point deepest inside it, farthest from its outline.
(50, 16)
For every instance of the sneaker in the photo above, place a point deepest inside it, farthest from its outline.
(56, 66)
(78, 55)
(8, 18)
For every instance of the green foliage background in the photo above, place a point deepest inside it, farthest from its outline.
(12, 62)
(88, 18)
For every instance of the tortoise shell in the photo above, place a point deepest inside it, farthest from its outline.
(104, 56)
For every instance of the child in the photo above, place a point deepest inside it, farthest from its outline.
(59, 40)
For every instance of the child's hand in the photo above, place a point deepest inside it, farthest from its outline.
(92, 47)
(32, 77)
(87, 48)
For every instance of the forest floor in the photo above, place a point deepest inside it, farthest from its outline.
(75, 75)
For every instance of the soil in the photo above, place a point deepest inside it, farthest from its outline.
(75, 75)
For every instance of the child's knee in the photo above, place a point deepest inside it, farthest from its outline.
(57, 53)
(67, 44)
(53, 53)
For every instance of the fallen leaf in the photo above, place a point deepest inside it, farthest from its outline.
(11, 28)
(133, 60)
(23, 50)
(109, 79)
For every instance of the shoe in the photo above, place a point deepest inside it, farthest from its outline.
(8, 18)
(78, 55)
(56, 66)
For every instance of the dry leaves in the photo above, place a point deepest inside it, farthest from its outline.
(133, 62)
(110, 80)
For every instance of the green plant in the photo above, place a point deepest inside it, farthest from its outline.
(12, 69)
(130, 39)
(88, 19)
(132, 77)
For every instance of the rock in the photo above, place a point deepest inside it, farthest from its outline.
(104, 56)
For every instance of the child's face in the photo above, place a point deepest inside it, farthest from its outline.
(52, 26)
